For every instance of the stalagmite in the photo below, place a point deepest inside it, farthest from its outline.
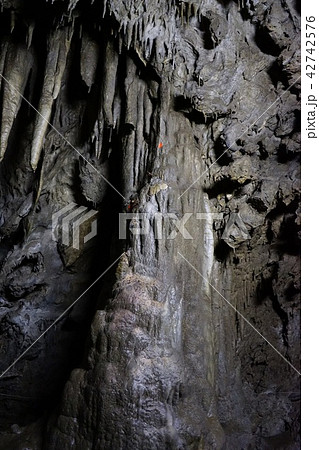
(17, 67)
(109, 82)
(58, 47)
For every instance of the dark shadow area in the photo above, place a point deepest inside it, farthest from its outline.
(262, 152)
(204, 26)
(222, 153)
(264, 288)
(265, 42)
(224, 2)
(224, 186)
(36, 382)
(16, 149)
(291, 292)
(222, 251)
(277, 74)
(288, 240)
(284, 154)
(146, 72)
(257, 204)
(281, 209)
(185, 106)
(297, 122)
(265, 291)
(297, 4)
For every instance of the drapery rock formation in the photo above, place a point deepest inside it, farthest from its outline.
(184, 114)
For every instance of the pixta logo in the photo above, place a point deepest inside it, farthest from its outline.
(167, 226)
(68, 222)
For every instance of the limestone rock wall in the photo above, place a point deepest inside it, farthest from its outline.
(159, 108)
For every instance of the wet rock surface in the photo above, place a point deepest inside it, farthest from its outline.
(184, 114)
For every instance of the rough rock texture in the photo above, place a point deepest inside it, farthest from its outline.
(164, 108)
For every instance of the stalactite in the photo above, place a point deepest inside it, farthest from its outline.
(164, 23)
(116, 110)
(98, 134)
(149, 47)
(144, 23)
(89, 60)
(140, 29)
(129, 33)
(135, 33)
(241, 5)
(148, 110)
(58, 47)
(12, 21)
(165, 104)
(130, 90)
(3, 55)
(122, 26)
(159, 49)
(182, 12)
(188, 12)
(128, 165)
(139, 138)
(151, 18)
(104, 8)
(17, 67)
(30, 34)
(109, 82)
(71, 5)
(193, 9)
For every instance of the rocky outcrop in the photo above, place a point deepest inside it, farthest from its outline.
(184, 115)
